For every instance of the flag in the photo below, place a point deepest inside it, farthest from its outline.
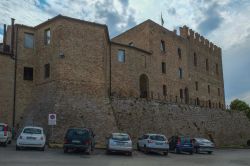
(162, 21)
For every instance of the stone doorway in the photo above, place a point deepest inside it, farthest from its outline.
(144, 89)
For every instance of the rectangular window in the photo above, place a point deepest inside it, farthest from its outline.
(121, 56)
(28, 40)
(195, 59)
(164, 89)
(162, 46)
(47, 37)
(217, 68)
(179, 53)
(181, 93)
(218, 91)
(196, 86)
(28, 73)
(207, 65)
(163, 67)
(47, 70)
(180, 73)
(208, 89)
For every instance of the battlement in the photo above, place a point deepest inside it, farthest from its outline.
(188, 33)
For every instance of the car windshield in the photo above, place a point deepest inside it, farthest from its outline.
(1, 128)
(202, 140)
(185, 140)
(32, 131)
(78, 133)
(157, 138)
(120, 137)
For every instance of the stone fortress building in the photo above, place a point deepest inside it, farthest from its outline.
(67, 64)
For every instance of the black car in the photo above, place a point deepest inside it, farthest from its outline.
(180, 144)
(79, 139)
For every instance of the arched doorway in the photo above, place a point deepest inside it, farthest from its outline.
(144, 86)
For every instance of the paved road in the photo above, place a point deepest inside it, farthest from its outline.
(55, 157)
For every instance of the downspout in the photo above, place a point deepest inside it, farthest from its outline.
(15, 71)
(110, 91)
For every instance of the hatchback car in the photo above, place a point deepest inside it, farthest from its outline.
(31, 137)
(153, 142)
(180, 144)
(79, 139)
(203, 145)
(5, 134)
(119, 142)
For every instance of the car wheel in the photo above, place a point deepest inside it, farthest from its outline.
(197, 150)
(88, 151)
(190, 153)
(43, 148)
(129, 153)
(145, 149)
(138, 147)
(17, 148)
(107, 151)
(209, 152)
(65, 150)
(176, 151)
(9, 142)
(165, 153)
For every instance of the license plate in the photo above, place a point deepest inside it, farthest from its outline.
(76, 141)
(159, 143)
(31, 138)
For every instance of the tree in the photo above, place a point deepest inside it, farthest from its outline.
(239, 105)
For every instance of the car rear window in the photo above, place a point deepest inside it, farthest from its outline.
(157, 138)
(32, 131)
(185, 140)
(202, 140)
(78, 133)
(120, 137)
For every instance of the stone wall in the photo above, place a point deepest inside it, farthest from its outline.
(139, 116)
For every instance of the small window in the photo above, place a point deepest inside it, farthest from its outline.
(207, 65)
(218, 91)
(208, 89)
(180, 73)
(28, 40)
(28, 73)
(196, 86)
(181, 93)
(197, 101)
(163, 67)
(47, 70)
(195, 59)
(162, 46)
(164, 89)
(47, 37)
(179, 53)
(217, 68)
(121, 56)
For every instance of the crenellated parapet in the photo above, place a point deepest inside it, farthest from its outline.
(198, 39)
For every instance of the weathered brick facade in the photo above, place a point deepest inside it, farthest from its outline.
(84, 71)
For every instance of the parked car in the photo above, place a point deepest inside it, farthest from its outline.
(203, 145)
(79, 139)
(5, 134)
(119, 142)
(153, 142)
(180, 144)
(31, 136)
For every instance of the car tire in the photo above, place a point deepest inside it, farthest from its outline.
(18, 148)
(165, 153)
(145, 149)
(138, 147)
(107, 151)
(88, 151)
(190, 153)
(9, 142)
(5, 144)
(42, 148)
(129, 153)
(209, 152)
(197, 150)
(176, 151)
(65, 150)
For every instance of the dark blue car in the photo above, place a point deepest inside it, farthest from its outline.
(180, 144)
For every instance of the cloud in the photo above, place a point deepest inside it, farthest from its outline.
(171, 11)
(212, 20)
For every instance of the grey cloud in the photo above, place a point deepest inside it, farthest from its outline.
(212, 19)
(171, 11)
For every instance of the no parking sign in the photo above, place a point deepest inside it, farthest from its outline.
(52, 119)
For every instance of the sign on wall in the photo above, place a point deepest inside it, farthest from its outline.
(52, 119)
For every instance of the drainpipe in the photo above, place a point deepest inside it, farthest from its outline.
(4, 37)
(110, 71)
(15, 73)
(12, 36)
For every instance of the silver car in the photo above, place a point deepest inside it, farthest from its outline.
(203, 145)
(119, 142)
(153, 142)
(5, 134)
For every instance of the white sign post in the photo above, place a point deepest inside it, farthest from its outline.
(52, 122)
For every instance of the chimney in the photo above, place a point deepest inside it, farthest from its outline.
(12, 35)
(4, 37)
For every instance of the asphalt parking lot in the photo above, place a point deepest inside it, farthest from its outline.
(55, 157)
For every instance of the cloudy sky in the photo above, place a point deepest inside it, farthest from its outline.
(224, 22)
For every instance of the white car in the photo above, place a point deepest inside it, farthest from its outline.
(119, 142)
(5, 134)
(31, 137)
(153, 142)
